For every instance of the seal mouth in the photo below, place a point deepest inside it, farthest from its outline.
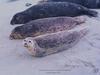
(32, 51)
(15, 36)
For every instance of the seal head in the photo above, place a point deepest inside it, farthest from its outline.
(23, 31)
(33, 47)
(20, 18)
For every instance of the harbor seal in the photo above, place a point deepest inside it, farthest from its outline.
(46, 25)
(94, 4)
(55, 9)
(54, 42)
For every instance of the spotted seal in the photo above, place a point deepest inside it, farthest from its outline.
(46, 25)
(55, 9)
(54, 42)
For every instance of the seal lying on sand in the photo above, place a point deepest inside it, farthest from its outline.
(46, 25)
(51, 9)
(52, 43)
(87, 3)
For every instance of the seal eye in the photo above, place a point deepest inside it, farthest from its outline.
(30, 42)
(24, 40)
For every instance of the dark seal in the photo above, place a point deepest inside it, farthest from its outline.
(87, 3)
(46, 25)
(52, 43)
(49, 9)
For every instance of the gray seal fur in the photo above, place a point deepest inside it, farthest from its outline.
(51, 9)
(94, 4)
(53, 43)
(46, 25)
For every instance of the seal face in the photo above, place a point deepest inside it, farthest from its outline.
(87, 3)
(51, 9)
(46, 25)
(54, 42)
(20, 18)
(29, 44)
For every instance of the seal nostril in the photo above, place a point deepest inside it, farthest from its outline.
(25, 45)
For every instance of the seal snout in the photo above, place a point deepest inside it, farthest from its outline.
(13, 20)
(26, 45)
(12, 23)
(15, 36)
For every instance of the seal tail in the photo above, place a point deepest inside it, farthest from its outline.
(80, 19)
(91, 13)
